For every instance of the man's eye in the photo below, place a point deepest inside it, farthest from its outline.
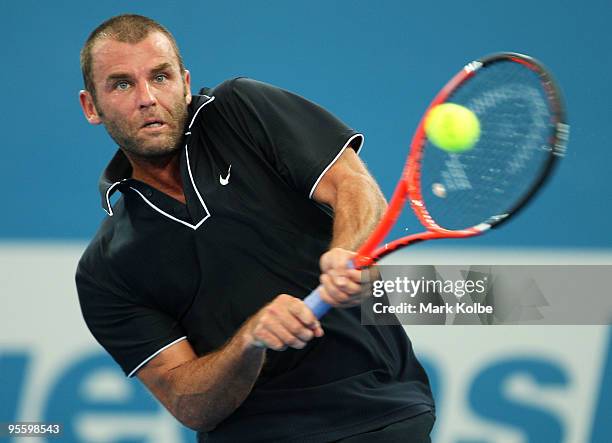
(122, 85)
(160, 78)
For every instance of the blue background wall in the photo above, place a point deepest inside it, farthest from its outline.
(376, 64)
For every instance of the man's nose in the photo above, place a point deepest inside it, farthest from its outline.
(146, 97)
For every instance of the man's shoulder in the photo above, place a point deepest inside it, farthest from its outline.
(236, 101)
(233, 88)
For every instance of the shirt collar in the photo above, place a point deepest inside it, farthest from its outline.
(119, 169)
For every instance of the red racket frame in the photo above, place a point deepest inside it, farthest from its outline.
(409, 186)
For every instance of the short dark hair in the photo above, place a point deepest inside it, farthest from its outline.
(127, 28)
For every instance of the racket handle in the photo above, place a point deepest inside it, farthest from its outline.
(318, 307)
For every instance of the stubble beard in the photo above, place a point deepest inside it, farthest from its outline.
(147, 148)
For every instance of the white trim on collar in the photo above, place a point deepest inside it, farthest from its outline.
(108, 203)
(210, 99)
(178, 220)
(164, 213)
(195, 188)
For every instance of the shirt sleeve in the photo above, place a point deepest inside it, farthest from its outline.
(298, 137)
(131, 333)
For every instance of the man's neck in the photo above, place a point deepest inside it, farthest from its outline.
(164, 174)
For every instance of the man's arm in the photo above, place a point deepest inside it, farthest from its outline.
(358, 205)
(202, 392)
(354, 195)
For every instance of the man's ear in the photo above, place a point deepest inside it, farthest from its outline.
(89, 108)
(187, 86)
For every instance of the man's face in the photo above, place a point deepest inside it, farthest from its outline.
(141, 95)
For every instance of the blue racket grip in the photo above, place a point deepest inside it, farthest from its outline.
(318, 307)
(314, 302)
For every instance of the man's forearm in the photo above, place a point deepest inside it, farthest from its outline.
(358, 207)
(210, 388)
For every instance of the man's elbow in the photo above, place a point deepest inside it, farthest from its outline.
(198, 426)
(200, 412)
(192, 415)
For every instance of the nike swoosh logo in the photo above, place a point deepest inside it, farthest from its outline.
(225, 180)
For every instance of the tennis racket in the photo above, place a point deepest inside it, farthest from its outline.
(524, 132)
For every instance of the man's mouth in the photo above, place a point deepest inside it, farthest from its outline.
(153, 123)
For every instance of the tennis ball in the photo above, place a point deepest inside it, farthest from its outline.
(451, 127)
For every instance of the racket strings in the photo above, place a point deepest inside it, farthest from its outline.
(464, 189)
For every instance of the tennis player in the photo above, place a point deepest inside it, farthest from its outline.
(234, 204)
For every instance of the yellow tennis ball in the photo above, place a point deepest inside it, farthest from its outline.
(452, 127)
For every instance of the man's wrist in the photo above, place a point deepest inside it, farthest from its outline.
(245, 343)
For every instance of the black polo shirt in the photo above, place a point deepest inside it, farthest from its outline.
(159, 271)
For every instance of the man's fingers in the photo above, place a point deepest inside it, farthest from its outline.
(336, 258)
(345, 284)
(347, 302)
(285, 322)
(297, 329)
(265, 339)
(341, 259)
(304, 324)
(355, 275)
(331, 290)
(340, 289)
(299, 309)
(335, 297)
(288, 338)
(276, 337)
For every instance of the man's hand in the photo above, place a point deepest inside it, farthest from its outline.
(341, 284)
(284, 322)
